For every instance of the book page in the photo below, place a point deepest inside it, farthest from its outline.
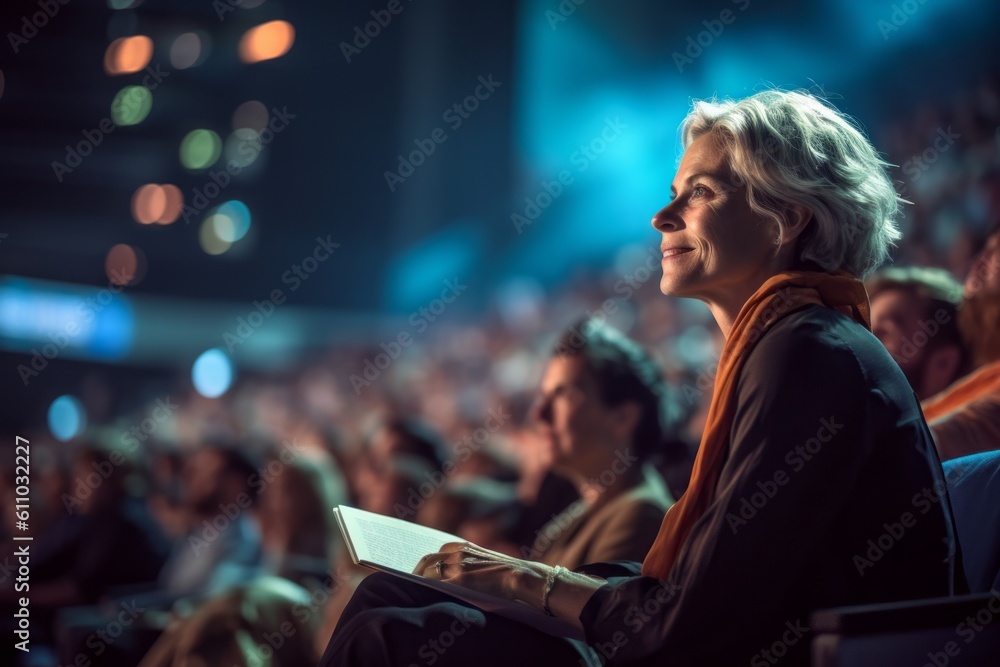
(396, 546)
(388, 542)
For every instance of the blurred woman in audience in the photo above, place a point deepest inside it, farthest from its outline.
(601, 410)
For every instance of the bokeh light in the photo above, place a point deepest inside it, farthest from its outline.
(252, 115)
(266, 41)
(243, 147)
(187, 51)
(157, 203)
(209, 238)
(128, 54)
(212, 373)
(173, 204)
(121, 264)
(200, 149)
(230, 221)
(131, 105)
(67, 418)
(148, 203)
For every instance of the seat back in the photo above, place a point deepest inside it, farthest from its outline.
(974, 489)
(957, 632)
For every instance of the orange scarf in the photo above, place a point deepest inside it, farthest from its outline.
(779, 296)
(975, 385)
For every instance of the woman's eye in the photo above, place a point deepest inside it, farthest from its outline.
(699, 191)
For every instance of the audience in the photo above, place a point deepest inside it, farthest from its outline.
(965, 417)
(222, 546)
(514, 433)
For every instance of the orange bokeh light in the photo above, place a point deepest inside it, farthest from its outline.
(155, 203)
(148, 203)
(173, 203)
(266, 41)
(126, 55)
(121, 264)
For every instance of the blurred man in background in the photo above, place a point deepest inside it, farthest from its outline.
(915, 315)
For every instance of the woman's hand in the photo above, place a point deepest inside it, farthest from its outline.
(504, 576)
(486, 571)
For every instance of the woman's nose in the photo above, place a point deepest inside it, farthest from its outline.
(542, 413)
(664, 219)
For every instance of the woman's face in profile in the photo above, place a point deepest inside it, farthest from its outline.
(713, 243)
(574, 422)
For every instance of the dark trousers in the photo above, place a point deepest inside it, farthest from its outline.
(391, 622)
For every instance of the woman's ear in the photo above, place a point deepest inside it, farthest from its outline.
(797, 219)
(627, 416)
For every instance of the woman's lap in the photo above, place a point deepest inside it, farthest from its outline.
(391, 621)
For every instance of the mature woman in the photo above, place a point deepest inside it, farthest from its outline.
(815, 454)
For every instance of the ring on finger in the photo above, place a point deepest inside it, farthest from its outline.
(439, 568)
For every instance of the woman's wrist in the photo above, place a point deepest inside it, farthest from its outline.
(529, 584)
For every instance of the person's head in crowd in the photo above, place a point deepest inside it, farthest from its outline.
(400, 455)
(398, 436)
(217, 473)
(295, 511)
(980, 311)
(914, 313)
(601, 403)
(109, 474)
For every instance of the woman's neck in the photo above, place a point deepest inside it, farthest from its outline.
(595, 492)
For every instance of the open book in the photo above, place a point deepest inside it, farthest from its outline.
(396, 546)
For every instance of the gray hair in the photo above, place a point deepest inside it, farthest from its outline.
(792, 148)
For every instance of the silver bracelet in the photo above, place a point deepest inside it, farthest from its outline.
(550, 581)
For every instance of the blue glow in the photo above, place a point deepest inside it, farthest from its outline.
(46, 318)
(418, 274)
(212, 373)
(233, 221)
(67, 418)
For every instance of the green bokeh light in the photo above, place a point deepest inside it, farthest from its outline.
(131, 105)
(200, 149)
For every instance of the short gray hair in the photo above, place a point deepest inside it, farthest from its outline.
(793, 148)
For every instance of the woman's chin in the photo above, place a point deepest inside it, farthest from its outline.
(670, 286)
